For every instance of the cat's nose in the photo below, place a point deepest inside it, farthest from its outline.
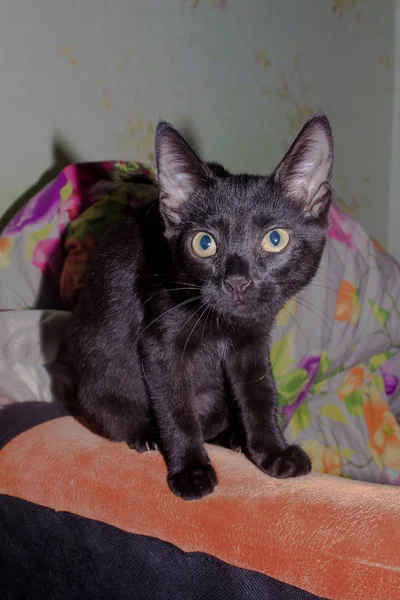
(238, 285)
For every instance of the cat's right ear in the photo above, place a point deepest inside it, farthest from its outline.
(180, 173)
(305, 172)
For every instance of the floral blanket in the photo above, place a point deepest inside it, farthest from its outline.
(336, 345)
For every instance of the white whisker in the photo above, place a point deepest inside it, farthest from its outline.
(164, 313)
(193, 328)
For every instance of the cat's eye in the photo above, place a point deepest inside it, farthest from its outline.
(204, 245)
(275, 240)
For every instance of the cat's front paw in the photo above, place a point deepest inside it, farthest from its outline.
(193, 483)
(291, 462)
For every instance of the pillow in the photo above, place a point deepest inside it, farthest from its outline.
(336, 358)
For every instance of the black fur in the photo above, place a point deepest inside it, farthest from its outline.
(170, 350)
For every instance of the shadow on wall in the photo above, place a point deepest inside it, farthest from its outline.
(186, 129)
(62, 157)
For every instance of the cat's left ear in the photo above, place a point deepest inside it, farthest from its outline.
(180, 172)
(305, 172)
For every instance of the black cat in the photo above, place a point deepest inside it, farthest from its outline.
(171, 335)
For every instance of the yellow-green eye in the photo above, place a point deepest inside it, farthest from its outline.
(275, 240)
(203, 244)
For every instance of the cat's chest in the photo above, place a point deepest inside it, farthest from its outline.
(207, 367)
(208, 379)
(210, 357)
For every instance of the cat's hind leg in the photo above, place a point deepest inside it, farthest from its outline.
(118, 409)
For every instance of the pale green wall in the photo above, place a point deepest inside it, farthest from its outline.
(241, 75)
(394, 205)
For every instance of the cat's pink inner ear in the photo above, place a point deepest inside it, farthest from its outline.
(180, 171)
(306, 170)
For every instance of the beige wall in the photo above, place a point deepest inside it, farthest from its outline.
(93, 76)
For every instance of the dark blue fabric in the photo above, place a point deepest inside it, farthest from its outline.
(19, 417)
(60, 556)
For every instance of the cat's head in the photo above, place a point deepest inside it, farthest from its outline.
(249, 242)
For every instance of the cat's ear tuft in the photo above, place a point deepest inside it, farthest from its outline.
(305, 172)
(180, 172)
